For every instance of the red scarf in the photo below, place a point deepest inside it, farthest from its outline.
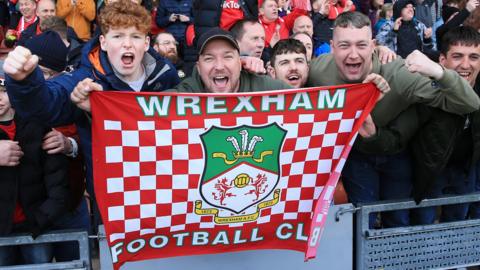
(24, 24)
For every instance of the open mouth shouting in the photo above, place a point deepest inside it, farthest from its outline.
(294, 79)
(220, 82)
(127, 59)
(354, 68)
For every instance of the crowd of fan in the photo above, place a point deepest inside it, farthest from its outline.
(422, 140)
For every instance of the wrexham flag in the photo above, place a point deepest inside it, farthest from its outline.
(182, 174)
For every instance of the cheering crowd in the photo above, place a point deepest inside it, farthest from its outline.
(422, 140)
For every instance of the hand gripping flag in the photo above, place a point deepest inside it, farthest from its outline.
(182, 174)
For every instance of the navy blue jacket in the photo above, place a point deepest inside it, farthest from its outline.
(31, 31)
(49, 101)
(169, 7)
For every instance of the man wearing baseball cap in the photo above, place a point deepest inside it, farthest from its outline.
(219, 68)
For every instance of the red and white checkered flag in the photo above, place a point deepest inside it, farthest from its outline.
(177, 174)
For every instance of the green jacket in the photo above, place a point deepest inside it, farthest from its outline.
(402, 118)
(248, 83)
(451, 93)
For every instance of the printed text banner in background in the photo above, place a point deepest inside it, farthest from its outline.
(179, 175)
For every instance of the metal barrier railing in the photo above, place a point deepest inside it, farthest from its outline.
(83, 262)
(437, 246)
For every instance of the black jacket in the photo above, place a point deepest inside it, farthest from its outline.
(432, 147)
(39, 183)
(456, 21)
(207, 13)
(474, 119)
(429, 134)
(322, 29)
(4, 14)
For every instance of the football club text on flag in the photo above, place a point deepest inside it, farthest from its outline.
(178, 174)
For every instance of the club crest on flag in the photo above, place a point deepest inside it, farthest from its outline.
(242, 169)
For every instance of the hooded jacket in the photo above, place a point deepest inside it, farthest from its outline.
(410, 35)
(50, 102)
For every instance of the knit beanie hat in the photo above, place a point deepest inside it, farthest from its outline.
(398, 6)
(50, 49)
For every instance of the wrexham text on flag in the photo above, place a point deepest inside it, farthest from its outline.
(160, 105)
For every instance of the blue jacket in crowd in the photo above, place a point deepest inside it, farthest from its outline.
(169, 7)
(49, 101)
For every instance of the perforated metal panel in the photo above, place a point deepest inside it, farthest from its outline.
(83, 263)
(437, 246)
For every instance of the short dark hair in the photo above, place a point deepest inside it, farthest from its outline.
(239, 29)
(462, 35)
(285, 46)
(352, 19)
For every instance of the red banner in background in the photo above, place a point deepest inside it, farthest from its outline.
(177, 174)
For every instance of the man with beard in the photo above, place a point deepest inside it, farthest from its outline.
(166, 45)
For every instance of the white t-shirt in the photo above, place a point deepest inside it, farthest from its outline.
(137, 84)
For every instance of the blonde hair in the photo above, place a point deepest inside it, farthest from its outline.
(385, 8)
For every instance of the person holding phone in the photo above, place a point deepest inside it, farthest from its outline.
(175, 16)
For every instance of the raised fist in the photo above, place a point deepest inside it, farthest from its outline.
(20, 63)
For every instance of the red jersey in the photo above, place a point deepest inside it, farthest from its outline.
(231, 13)
(271, 27)
(284, 25)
